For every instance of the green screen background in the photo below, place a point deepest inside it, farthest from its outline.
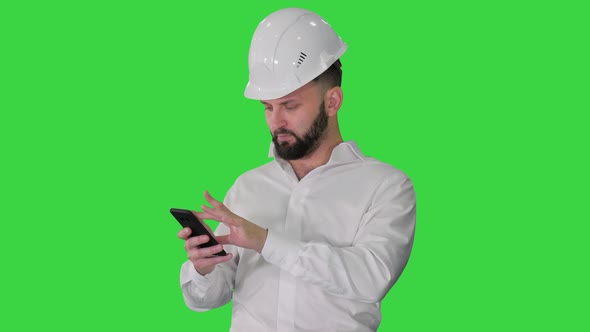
(112, 112)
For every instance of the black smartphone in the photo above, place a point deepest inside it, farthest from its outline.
(187, 219)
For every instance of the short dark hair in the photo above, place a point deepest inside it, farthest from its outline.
(332, 76)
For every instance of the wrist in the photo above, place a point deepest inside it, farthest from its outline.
(204, 272)
(262, 240)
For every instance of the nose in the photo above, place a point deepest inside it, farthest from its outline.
(276, 119)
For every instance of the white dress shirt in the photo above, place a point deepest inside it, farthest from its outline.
(337, 241)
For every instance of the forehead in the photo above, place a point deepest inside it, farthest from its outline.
(309, 90)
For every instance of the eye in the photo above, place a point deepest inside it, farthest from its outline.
(291, 107)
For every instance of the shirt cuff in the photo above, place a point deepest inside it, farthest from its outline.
(280, 250)
(188, 274)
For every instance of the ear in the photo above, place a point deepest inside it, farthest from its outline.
(333, 100)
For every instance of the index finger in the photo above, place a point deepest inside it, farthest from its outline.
(204, 215)
(216, 204)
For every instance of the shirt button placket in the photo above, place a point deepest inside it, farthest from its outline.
(287, 282)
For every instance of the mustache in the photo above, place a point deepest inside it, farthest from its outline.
(282, 131)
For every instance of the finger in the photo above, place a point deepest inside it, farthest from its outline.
(195, 241)
(216, 204)
(198, 253)
(212, 213)
(184, 233)
(204, 215)
(226, 217)
(210, 261)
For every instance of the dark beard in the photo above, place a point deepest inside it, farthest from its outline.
(302, 146)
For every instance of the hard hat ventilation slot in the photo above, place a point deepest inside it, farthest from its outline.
(302, 57)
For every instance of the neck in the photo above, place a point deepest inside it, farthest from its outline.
(317, 158)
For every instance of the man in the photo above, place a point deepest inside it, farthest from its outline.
(318, 236)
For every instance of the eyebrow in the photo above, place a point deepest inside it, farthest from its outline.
(292, 100)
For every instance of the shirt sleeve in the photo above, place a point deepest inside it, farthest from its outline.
(202, 293)
(213, 290)
(367, 269)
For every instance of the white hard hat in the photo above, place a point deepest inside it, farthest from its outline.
(290, 48)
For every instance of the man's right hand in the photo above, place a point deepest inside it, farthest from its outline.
(202, 258)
